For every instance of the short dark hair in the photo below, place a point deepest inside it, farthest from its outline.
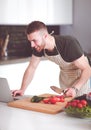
(34, 26)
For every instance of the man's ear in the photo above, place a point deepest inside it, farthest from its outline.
(45, 36)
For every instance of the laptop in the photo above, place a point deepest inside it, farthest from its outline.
(5, 92)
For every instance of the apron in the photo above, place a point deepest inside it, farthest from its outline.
(69, 74)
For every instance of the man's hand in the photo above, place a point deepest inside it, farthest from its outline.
(17, 92)
(70, 92)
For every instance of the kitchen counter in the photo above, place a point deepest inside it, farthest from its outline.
(19, 119)
(13, 60)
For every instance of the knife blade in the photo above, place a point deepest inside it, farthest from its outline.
(59, 90)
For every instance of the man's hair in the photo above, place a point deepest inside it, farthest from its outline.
(35, 26)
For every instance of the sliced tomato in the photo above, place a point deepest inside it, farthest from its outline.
(47, 100)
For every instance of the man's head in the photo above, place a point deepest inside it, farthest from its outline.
(35, 26)
(37, 34)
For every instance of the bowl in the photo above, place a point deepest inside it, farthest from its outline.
(79, 113)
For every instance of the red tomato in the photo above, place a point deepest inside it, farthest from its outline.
(84, 102)
(57, 99)
(79, 105)
(53, 100)
(77, 100)
(46, 100)
(62, 99)
(69, 103)
(74, 104)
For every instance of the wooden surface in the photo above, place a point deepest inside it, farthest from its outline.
(39, 107)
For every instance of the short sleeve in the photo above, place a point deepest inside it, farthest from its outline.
(70, 49)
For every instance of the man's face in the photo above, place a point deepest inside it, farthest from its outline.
(37, 40)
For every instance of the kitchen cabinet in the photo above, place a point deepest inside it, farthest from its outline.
(59, 12)
(47, 74)
(52, 12)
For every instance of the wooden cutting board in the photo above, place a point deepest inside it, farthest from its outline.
(40, 107)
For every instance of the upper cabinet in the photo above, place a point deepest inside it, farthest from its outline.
(51, 12)
(59, 12)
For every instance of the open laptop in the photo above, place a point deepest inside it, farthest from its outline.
(5, 92)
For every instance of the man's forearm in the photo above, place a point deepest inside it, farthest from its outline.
(86, 74)
(27, 78)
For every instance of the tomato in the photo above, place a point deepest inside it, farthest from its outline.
(74, 104)
(84, 102)
(77, 100)
(57, 99)
(62, 99)
(79, 105)
(46, 100)
(53, 100)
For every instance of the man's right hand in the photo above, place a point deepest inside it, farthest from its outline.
(17, 92)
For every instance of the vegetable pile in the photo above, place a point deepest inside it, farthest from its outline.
(78, 108)
(48, 100)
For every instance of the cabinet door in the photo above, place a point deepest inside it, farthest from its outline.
(55, 12)
(59, 12)
(24, 11)
(31, 10)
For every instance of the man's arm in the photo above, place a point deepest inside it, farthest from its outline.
(84, 66)
(28, 75)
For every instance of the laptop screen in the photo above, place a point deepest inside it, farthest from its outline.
(5, 92)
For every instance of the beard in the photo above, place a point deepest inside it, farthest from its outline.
(40, 48)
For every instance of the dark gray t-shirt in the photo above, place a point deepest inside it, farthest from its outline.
(68, 47)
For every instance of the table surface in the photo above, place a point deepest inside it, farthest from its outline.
(19, 119)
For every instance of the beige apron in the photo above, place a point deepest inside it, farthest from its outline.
(69, 73)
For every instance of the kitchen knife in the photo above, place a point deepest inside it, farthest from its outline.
(59, 90)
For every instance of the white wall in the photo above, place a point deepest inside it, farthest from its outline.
(47, 74)
(81, 27)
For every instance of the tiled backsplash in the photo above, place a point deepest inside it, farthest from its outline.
(18, 44)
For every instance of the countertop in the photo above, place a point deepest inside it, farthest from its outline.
(13, 60)
(19, 119)
(20, 59)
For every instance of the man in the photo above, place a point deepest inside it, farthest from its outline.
(64, 51)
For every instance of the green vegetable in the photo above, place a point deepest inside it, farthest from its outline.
(37, 99)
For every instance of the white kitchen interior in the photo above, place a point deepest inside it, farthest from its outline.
(46, 75)
(47, 72)
(73, 18)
